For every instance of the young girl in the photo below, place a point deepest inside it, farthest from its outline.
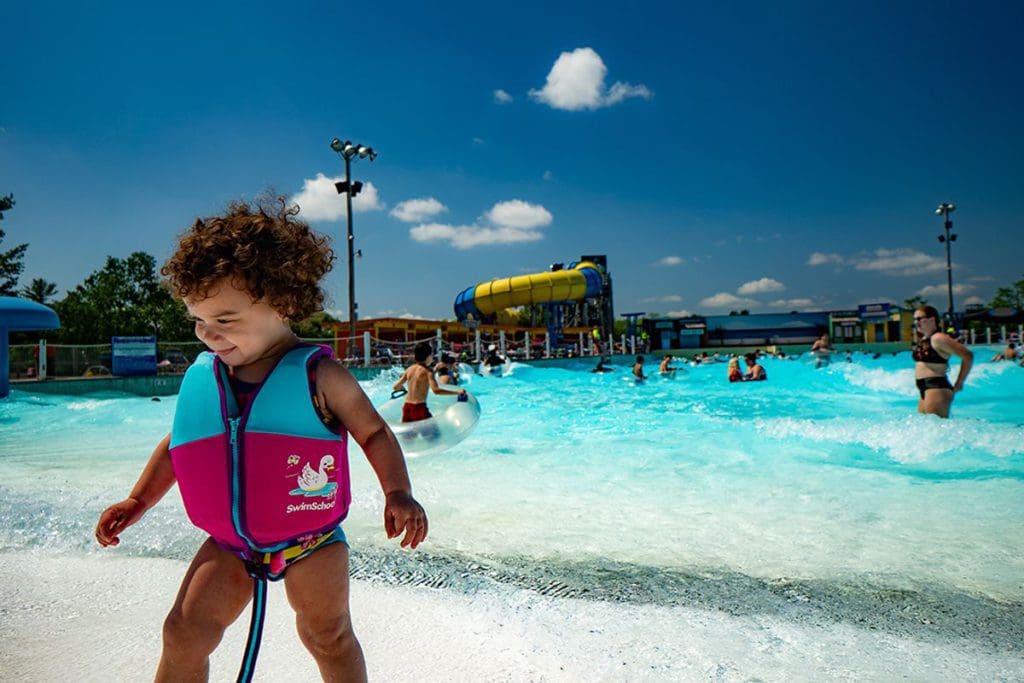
(735, 375)
(258, 448)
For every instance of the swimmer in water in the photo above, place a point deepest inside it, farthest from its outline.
(931, 362)
(638, 369)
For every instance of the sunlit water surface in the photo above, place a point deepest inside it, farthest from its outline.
(819, 496)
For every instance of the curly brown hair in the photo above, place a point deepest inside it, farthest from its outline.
(276, 257)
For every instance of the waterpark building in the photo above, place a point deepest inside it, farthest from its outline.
(880, 322)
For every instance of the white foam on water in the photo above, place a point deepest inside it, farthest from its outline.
(826, 476)
(906, 439)
(879, 379)
(102, 621)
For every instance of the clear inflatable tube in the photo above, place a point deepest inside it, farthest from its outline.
(452, 422)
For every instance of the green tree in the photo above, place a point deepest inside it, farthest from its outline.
(11, 261)
(315, 326)
(39, 290)
(125, 297)
(11, 266)
(1012, 296)
(914, 302)
(6, 203)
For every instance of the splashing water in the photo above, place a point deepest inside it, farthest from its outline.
(820, 487)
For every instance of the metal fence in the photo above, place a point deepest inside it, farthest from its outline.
(87, 360)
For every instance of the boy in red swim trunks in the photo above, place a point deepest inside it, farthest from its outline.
(420, 379)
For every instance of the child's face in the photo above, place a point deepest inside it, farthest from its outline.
(237, 328)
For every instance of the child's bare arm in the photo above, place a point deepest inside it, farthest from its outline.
(346, 401)
(156, 479)
(401, 381)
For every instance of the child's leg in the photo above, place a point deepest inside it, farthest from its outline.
(213, 593)
(317, 588)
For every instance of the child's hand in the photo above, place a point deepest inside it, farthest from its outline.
(116, 519)
(403, 513)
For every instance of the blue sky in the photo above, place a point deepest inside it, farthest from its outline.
(767, 156)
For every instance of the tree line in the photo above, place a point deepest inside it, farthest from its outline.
(126, 297)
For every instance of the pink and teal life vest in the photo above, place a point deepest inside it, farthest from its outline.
(264, 478)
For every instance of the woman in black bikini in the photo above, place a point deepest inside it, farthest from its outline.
(931, 355)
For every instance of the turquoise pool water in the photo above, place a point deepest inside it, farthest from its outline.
(818, 497)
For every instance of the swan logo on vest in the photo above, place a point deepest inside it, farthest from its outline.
(313, 483)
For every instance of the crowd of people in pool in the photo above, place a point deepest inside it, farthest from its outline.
(931, 354)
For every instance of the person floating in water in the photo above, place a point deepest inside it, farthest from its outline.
(263, 401)
(638, 369)
(447, 370)
(822, 350)
(1010, 353)
(931, 362)
(420, 380)
(601, 367)
(755, 371)
(666, 365)
(494, 360)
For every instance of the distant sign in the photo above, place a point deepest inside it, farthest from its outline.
(133, 355)
(868, 311)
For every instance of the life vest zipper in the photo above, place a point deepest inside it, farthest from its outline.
(234, 456)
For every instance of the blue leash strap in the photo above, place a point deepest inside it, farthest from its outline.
(252, 645)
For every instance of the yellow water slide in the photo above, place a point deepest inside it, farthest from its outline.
(580, 281)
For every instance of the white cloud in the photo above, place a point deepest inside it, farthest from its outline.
(502, 97)
(548, 175)
(765, 284)
(513, 221)
(819, 259)
(943, 290)
(972, 300)
(469, 236)
(518, 214)
(792, 304)
(669, 261)
(727, 300)
(576, 81)
(621, 91)
(477, 142)
(416, 210)
(679, 314)
(667, 299)
(875, 300)
(900, 262)
(319, 200)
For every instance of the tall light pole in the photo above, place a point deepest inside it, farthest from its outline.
(349, 151)
(944, 210)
